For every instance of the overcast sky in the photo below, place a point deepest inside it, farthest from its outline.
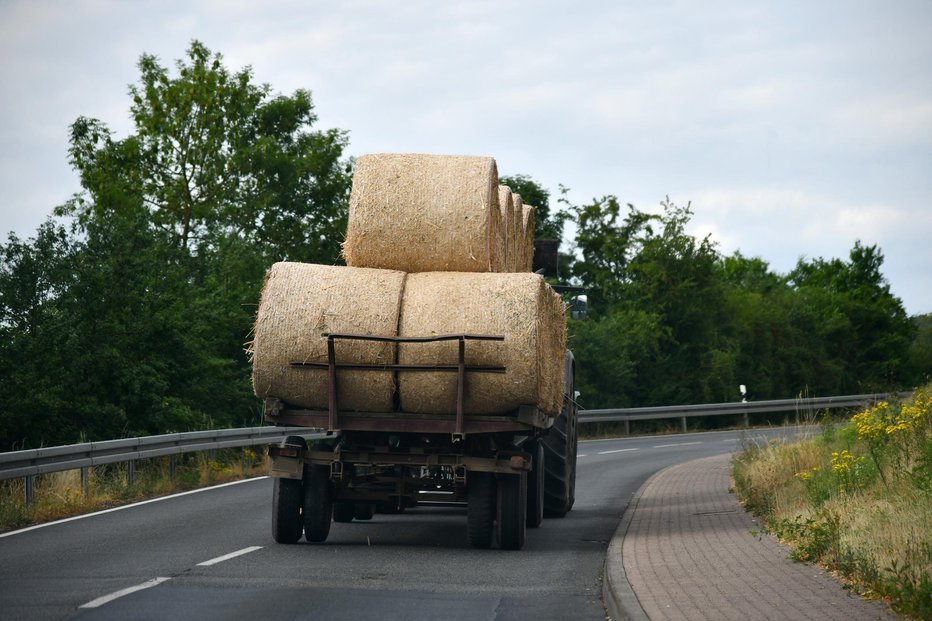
(794, 128)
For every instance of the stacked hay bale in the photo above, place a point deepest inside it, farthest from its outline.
(506, 209)
(522, 307)
(428, 245)
(302, 302)
(424, 213)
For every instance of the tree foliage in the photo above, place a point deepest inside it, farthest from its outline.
(215, 154)
(673, 321)
(131, 320)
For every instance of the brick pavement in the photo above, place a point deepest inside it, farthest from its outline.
(686, 550)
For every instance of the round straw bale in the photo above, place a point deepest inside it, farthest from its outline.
(300, 302)
(521, 307)
(506, 209)
(420, 213)
(527, 236)
(517, 232)
(497, 236)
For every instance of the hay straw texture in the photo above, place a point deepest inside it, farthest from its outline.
(422, 213)
(506, 209)
(527, 236)
(516, 233)
(299, 303)
(522, 307)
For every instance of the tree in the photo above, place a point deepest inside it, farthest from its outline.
(857, 319)
(214, 154)
(132, 320)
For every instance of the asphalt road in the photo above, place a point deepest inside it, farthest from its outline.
(210, 555)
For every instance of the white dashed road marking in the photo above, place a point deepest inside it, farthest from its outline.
(100, 601)
(678, 444)
(616, 451)
(227, 557)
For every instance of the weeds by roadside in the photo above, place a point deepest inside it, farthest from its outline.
(61, 494)
(857, 499)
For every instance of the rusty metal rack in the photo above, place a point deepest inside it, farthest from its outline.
(337, 420)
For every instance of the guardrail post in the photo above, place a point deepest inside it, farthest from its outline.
(172, 466)
(85, 481)
(683, 423)
(29, 486)
(627, 427)
(747, 419)
(130, 472)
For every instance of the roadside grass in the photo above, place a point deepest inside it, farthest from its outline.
(60, 494)
(856, 500)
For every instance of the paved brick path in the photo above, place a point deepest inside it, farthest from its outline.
(689, 553)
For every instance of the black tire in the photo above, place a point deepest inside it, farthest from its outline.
(388, 508)
(480, 509)
(535, 484)
(364, 510)
(512, 510)
(318, 503)
(287, 500)
(560, 456)
(343, 511)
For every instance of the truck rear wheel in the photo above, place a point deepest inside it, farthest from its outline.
(535, 485)
(318, 502)
(287, 498)
(480, 509)
(364, 511)
(512, 510)
(560, 457)
(343, 511)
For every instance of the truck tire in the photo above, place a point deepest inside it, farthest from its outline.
(480, 509)
(512, 510)
(364, 511)
(535, 484)
(287, 498)
(318, 502)
(343, 511)
(560, 454)
(287, 501)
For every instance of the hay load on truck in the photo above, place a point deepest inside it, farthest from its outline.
(435, 361)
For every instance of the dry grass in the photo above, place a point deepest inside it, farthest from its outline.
(857, 500)
(60, 495)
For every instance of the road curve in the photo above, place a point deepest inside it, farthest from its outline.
(210, 555)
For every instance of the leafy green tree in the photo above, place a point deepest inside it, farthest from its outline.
(215, 154)
(920, 351)
(133, 320)
(858, 321)
(606, 245)
(33, 275)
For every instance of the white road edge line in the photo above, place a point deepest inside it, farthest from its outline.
(227, 557)
(582, 456)
(677, 444)
(135, 504)
(617, 451)
(100, 601)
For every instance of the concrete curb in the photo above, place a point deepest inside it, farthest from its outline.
(618, 597)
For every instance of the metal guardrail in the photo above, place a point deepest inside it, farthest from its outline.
(30, 463)
(722, 409)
